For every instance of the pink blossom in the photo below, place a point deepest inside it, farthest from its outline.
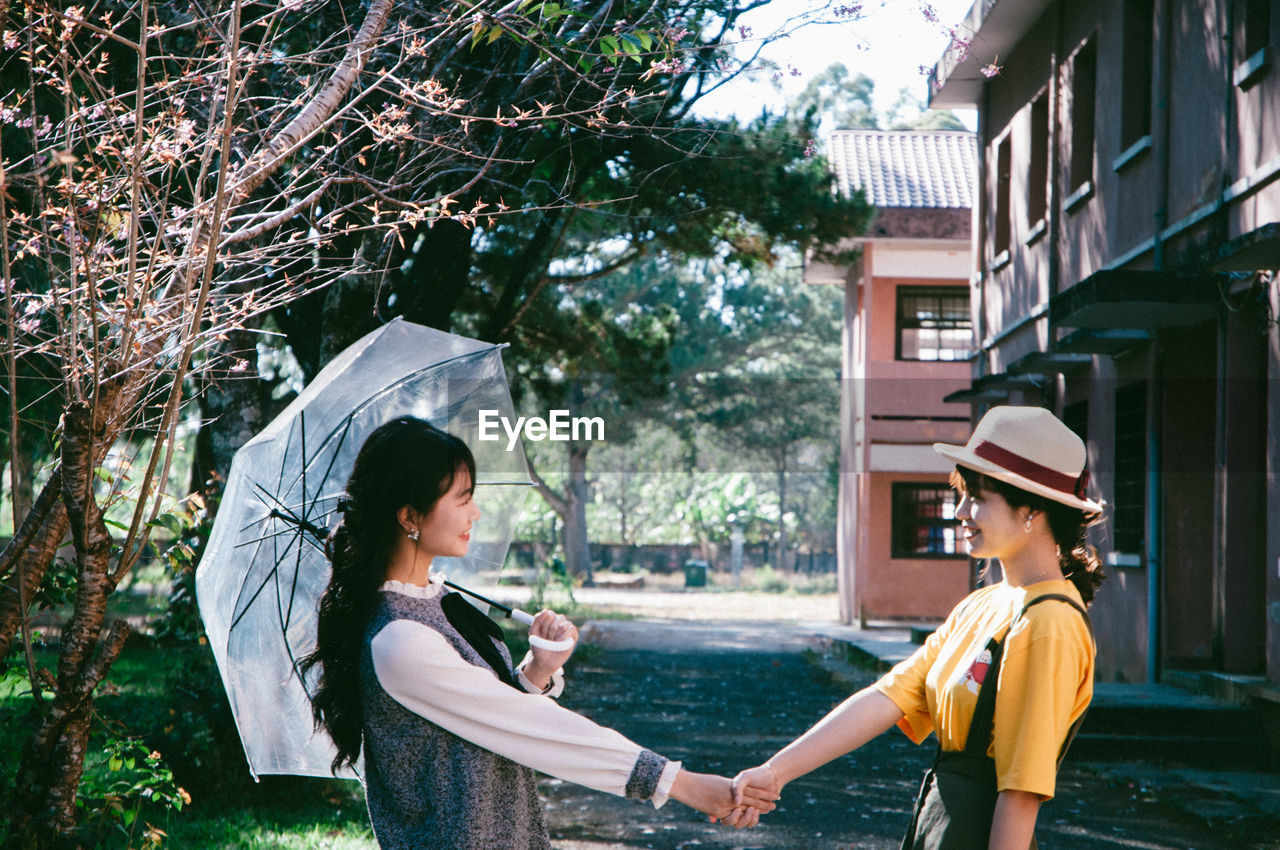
(744, 32)
(990, 70)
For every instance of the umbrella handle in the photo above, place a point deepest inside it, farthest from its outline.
(540, 642)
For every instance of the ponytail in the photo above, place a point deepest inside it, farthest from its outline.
(1076, 558)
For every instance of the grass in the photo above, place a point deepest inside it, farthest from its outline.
(280, 813)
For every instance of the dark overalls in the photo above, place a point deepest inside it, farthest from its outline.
(958, 796)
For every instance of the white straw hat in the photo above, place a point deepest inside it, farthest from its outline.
(1029, 448)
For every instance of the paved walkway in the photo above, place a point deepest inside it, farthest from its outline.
(692, 682)
(721, 695)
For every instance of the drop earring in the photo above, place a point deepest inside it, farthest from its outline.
(1028, 525)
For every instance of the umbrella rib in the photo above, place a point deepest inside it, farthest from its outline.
(333, 460)
(348, 420)
(315, 532)
(302, 522)
(256, 594)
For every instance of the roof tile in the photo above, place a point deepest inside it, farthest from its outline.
(906, 168)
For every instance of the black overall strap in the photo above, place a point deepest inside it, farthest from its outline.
(981, 724)
(980, 727)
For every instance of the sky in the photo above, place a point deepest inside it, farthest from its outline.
(888, 43)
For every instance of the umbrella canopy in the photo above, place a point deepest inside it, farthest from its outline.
(260, 579)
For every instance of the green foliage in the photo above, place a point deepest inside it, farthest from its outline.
(837, 99)
(766, 579)
(553, 588)
(125, 787)
(189, 523)
(58, 590)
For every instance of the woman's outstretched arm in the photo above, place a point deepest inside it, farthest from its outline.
(848, 726)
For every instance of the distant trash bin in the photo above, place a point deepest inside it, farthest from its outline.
(695, 573)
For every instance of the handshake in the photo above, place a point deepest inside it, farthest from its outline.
(737, 803)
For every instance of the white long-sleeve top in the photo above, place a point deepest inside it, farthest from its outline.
(418, 668)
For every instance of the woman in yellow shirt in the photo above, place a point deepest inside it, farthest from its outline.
(1006, 678)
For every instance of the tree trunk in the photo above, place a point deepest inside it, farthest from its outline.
(44, 805)
(438, 275)
(232, 412)
(577, 552)
(782, 512)
(27, 557)
(42, 810)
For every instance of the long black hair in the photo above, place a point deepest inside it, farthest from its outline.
(1077, 560)
(403, 462)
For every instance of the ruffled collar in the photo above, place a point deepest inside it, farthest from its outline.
(432, 589)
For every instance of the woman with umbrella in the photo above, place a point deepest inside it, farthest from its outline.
(1006, 679)
(418, 681)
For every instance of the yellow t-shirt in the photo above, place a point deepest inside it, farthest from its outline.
(1045, 683)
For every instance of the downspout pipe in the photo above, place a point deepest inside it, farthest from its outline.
(1155, 403)
(1153, 530)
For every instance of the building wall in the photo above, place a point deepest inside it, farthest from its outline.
(897, 412)
(905, 588)
(1205, 176)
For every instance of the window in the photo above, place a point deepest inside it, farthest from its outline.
(924, 521)
(1076, 417)
(1128, 512)
(1084, 74)
(1135, 117)
(1253, 40)
(1038, 170)
(1004, 175)
(1257, 26)
(934, 323)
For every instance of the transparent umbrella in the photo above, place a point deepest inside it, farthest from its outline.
(264, 569)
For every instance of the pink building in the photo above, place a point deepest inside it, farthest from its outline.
(907, 342)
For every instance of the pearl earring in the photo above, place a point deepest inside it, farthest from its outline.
(414, 534)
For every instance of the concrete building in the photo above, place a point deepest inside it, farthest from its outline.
(1127, 239)
(907, 340)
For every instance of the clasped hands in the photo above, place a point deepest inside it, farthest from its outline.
(737, 803)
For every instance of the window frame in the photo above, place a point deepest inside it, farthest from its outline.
(1084, 90)
(917, 522)
(1129, 463)
(1137, 72)
(1003, 230)
(903, 292)
(1038, 160)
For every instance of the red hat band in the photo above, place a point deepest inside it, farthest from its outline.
(1031, 470)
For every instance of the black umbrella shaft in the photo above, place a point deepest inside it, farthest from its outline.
(319, 533)
(503, 608)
